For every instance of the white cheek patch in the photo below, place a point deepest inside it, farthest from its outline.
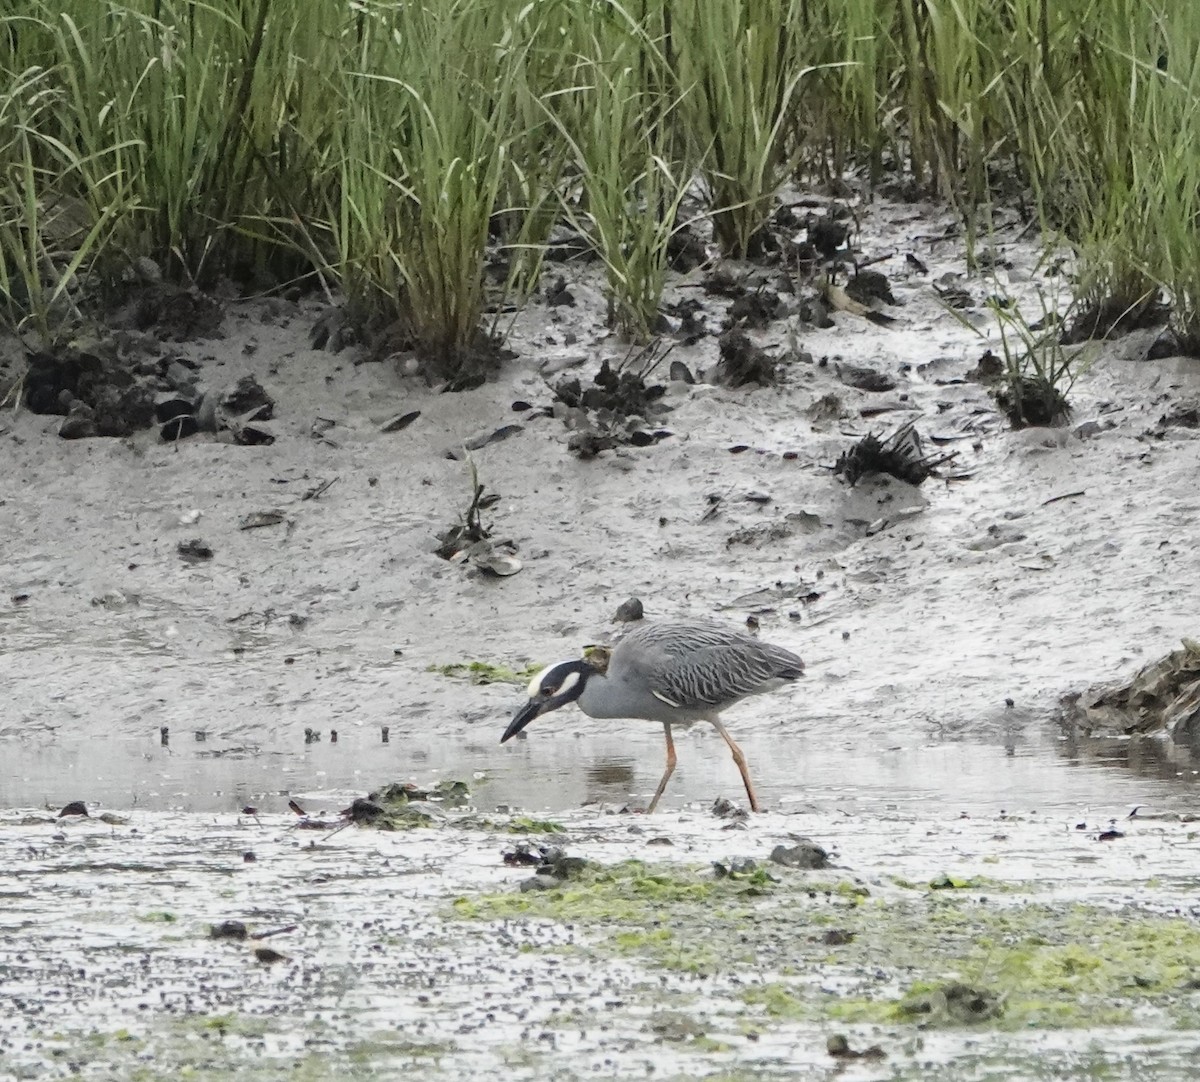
(535, 685)
(571, 680)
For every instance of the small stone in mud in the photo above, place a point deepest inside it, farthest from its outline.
(522, 856)
(76, 807)
(726, 809)
(956, 1004)
(837, 937)
(1109, 835)
(228, 929)
(629, 611)
(864, 378)
(363, 810)
(839, 1048)
(680, 372)
(540, 882)
(804, 854)
(269, 955)
(194, 549)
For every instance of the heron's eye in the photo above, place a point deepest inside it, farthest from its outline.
(549, 689)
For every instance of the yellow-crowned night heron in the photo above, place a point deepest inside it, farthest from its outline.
(675, 674)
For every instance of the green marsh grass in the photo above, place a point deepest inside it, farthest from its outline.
(390, 147)
(428, 132)
(627, 151)
(738, 67)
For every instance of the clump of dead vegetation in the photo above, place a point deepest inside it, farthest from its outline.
(901, 454)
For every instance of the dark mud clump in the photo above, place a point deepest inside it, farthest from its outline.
(171, 312)
(1113, 317)
(616, 407)
(97, 389)
(622, 391)
(901, 454)
(864, 378)
(743, 362)
(383, 337)
(1031, 402)
(867, 286)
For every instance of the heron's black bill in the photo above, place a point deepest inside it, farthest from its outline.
(523, 717)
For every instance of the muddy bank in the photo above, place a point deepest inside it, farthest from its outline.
(1037, 563)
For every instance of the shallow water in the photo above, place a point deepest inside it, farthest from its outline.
(1035, 769)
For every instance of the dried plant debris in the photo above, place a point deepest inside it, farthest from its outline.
(1163, 696)
(469, 530)
(901, 454)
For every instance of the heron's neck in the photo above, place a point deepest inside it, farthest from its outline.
(596, 700)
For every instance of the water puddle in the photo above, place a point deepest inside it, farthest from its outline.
(1037, 769)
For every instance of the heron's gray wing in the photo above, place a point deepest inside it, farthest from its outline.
(721, 674)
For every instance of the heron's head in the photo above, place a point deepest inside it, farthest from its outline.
(553, 687)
